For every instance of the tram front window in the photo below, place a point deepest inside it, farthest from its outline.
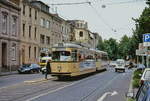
(61, 56)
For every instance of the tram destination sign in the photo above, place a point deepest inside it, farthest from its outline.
(146, 39)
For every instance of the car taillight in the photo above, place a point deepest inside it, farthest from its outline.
(141, 82)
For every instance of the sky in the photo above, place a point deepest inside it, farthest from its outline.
(115, 20)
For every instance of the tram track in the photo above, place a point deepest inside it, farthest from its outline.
(81, 81)
(98, 88)
(45, 87)
(20, 90)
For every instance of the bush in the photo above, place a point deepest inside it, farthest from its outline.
(131, 99)
(136, 74)
(135, 83)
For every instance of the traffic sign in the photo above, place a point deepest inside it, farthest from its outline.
(146, 37)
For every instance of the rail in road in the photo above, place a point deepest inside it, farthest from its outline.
(90, 88)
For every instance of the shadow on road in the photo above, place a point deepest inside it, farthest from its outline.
(76, 78)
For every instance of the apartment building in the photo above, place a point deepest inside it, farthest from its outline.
(29, 47)
(52, 29)
(9, 35)
(81, 33)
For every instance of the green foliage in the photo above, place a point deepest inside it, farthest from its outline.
(136, 74)
(142, 27)
(130, 99)
(111, 47)
(128, 45)
(124, 47)
(135, 83)
(148, 2)
(136, 78)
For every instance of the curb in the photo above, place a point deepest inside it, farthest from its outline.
(38, 80)
(130, 86)
(8, 73)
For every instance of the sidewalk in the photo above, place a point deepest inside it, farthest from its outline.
(8, 73)
(131, 89)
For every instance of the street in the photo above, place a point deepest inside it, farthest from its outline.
(104, 86)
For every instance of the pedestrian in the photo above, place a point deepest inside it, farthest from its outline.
(48, 68)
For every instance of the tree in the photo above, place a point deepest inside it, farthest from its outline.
(148, 2)
(124, 47)
(111, 47)
(100, 45)
(142, 27)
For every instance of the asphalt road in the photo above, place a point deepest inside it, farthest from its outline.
(104, 86)
(17, 78)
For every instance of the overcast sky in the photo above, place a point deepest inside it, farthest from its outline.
(115, 20)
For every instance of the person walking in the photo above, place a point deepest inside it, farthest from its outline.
(48, 68)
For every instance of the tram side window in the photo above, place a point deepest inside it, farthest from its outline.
(61, 56)
(56, 56)
(74, 55)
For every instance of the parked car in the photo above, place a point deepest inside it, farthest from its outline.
(145, 75)
(143, 93)
(127, 64)
(112, 64)
(29, 68)
(43, 70)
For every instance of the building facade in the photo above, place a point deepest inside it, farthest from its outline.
(40, 30)
(29, 47)
(82, 34)
(9, 35)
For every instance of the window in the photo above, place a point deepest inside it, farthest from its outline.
(47, 24)
(29, 51)
(35, 33)
(13, 51)
(29, 31)
(24, 7)
(61, 56)
(42, 39)
(4, 23)
(14, 26)
(35, 14)
(81, 34)
(147, 74)
(47, 40)
(23, 30)
(35, 52)
(30, 12)
(42, 22)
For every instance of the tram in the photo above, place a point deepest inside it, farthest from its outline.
(69, 59)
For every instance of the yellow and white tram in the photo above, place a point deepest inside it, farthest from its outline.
(73, 60)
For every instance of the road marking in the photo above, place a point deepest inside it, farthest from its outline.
(11, 86)
(33, 98)
(105, 95)
(37, 80)
(28, 82)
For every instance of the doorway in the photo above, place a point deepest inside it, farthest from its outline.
(23, 56)
(4, 57)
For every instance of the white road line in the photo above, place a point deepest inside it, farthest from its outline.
(33, 98)
(105, 95)
(114, 93)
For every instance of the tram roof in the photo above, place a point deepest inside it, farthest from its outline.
(67, 45)
(74, 45)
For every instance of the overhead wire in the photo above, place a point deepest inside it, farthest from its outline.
(124, 2)
(73, 3)
(102, 19)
